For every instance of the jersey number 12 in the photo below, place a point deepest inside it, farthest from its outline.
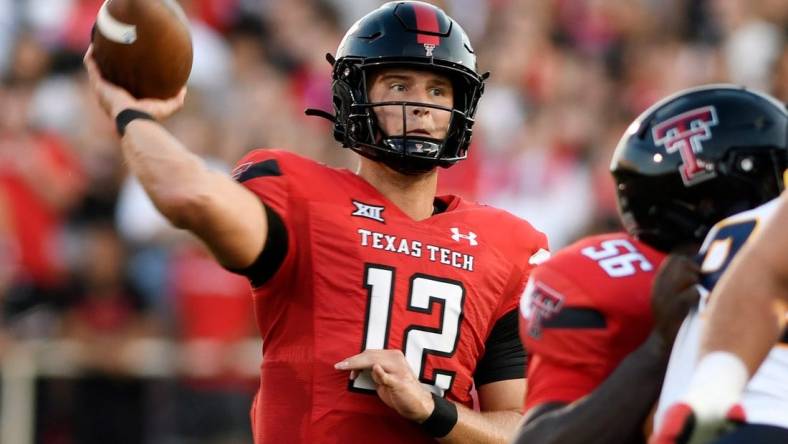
(419, 341)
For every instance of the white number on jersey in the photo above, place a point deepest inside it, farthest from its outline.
(618, 257)
(419, 341)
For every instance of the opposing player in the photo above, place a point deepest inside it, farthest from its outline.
(380, 304)
(738, 390)
(681, 166)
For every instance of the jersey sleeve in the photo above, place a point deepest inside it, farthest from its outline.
(268, 174)
(504, 357)
(262, 172)
(536, 253)
(566, 335)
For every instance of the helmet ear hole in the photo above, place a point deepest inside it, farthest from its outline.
(342, 99)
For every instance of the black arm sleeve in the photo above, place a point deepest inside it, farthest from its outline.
(273, 254)
(504, 357)
(613, 413)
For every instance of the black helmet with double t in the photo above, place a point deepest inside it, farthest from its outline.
(412, 35)
(697, 157)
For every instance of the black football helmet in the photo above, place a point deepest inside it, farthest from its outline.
(405, 34)
(697, 157)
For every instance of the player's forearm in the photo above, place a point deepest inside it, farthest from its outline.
(614, 412)
(483, 427)
(221, 212)
(171, 175)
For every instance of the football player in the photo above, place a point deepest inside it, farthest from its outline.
(380, 304)
(737, 391)
(685, 163)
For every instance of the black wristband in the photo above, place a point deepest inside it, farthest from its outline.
(127, 116)
(442, 419)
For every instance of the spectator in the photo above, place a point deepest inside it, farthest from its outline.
(40, 181)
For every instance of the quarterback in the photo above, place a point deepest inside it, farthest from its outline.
(380, 304)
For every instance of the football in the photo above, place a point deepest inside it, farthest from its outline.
(143, 46)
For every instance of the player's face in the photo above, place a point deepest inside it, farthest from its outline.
(408, 85)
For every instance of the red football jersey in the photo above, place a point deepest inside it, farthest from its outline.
(583, 312)
(361, 274)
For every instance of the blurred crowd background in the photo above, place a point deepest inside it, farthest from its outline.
(117, 328)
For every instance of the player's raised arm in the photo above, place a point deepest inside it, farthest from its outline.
(182, 188)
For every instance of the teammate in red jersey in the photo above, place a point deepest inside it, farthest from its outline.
(586, 310)
(380, 304)
(684, 164)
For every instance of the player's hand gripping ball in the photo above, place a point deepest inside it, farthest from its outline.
(143, 46)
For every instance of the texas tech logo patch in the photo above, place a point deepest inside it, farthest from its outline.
(538, 304)
(684, 133)
(369, 211)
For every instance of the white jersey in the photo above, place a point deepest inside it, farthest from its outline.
(765, 399)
